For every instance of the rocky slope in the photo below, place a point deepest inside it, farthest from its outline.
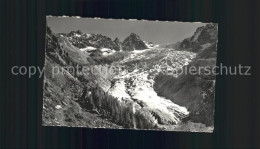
(61, 91)
(145, 94)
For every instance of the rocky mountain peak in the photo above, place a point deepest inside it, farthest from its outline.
(202, 37)
(117, 44)
(133, 42)
(133, 35)
(197, 33)
(48, 30)
(77, 32)
(116, 40)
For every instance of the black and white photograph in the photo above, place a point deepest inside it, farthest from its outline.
(139, 74)
(129, 74)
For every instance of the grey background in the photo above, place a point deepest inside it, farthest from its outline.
(152, 31)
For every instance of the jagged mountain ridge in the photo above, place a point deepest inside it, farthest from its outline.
(90, 41)
(97, 41)
(203, 37)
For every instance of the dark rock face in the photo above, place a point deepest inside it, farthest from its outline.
(133, 42)
(117, 44)
(203, 35)
(208, 34)
(51, 41)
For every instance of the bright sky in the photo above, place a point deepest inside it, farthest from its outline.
(151, 31)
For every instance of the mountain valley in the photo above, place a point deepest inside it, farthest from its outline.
(131, 84)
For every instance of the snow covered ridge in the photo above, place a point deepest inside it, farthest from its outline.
(151, 45)
(88, 48)
(107, 51)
